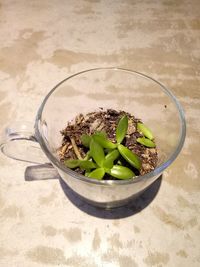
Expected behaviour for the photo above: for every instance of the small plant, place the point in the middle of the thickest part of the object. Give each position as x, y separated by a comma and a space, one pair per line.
105, 157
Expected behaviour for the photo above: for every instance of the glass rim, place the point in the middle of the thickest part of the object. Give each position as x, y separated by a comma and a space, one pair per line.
157, 171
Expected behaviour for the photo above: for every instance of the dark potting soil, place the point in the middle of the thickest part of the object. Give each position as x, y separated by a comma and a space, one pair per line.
105, 120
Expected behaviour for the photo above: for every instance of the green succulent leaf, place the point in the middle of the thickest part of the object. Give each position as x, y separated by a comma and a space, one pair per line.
85, 139
121, 172
110, 158
146, 142
72, 163
104, 142
97, 174
121, 129
145, 130
108, 150
101, 133
129, 156
97, 152
87, 164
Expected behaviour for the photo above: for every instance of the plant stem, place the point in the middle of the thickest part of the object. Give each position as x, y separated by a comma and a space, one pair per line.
76, 151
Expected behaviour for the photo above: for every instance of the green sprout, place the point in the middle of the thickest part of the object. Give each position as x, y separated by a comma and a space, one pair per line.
105, 157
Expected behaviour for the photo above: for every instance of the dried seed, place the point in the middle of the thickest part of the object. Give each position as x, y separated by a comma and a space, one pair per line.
63, 150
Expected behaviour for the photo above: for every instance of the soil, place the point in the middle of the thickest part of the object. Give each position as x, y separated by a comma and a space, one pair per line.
105, 120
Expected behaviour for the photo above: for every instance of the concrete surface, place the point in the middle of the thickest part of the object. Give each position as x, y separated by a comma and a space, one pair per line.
41, 42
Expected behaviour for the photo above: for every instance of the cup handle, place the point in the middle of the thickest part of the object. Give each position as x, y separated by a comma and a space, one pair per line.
18, 142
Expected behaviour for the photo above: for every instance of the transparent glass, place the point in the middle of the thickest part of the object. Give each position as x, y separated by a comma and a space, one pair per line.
119, 89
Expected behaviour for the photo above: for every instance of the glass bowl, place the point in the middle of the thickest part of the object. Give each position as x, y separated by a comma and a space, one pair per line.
118, 89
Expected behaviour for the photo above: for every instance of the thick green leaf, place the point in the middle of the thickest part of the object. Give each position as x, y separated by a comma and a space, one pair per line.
146, 142
113, 155
85, 139
104, 142
121, 172
108, 150
121, 129
97, 174
145, 130
101, 133
110, 158
130, 157
97, 152
87, 164
72, 163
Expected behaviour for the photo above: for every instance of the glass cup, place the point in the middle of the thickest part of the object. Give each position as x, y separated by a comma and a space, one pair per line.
87, 91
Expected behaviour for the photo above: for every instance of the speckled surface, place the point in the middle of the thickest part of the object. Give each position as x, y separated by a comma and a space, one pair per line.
41, 42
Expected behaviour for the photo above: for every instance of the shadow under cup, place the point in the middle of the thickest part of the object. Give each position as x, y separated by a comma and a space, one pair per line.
117, 89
